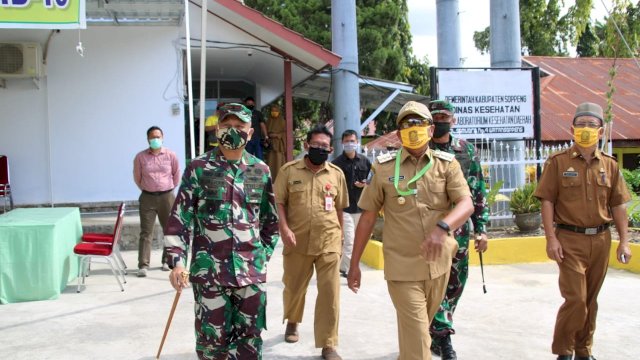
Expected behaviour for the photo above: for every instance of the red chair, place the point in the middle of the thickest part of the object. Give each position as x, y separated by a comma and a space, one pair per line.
5, 184
106, 251
108, 238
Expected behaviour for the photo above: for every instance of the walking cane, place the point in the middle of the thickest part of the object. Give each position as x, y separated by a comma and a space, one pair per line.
184, 275
484, 287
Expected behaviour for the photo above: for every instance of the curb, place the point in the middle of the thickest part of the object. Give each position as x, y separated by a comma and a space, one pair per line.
503, 251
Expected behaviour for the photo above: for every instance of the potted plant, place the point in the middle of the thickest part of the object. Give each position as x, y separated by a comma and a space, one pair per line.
526, 208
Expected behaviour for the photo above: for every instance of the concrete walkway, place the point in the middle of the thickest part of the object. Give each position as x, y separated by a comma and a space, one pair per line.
514, 320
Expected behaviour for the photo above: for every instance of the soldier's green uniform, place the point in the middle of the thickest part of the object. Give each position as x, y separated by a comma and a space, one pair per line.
225, 210
465, 153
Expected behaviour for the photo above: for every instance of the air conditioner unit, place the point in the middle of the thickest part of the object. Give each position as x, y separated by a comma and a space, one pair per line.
20, 60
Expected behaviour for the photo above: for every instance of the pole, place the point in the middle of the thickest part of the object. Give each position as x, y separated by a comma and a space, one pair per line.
203, 75
448, 24
192, 139
346, 95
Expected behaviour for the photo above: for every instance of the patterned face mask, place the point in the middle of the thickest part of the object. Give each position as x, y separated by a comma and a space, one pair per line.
231, 138
415, 137
585, 137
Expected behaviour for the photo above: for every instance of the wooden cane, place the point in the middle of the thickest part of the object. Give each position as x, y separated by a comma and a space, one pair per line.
184, 275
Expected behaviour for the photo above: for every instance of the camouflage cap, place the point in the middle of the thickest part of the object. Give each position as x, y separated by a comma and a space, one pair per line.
589, 109
441, 107
242, 112
414, 108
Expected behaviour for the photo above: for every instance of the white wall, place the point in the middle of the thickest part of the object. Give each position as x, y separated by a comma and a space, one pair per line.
94, 112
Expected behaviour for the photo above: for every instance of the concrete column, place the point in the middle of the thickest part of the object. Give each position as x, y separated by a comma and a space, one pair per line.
448, 24
346, 90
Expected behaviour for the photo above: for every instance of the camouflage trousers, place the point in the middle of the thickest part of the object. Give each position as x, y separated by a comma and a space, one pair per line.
229, 320
442, 323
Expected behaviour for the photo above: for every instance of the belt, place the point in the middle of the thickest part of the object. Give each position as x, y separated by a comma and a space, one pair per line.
586, 231
156, 192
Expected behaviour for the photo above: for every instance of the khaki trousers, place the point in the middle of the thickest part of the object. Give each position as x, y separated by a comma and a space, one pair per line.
582, 272
298, 269
150, 207
416, 304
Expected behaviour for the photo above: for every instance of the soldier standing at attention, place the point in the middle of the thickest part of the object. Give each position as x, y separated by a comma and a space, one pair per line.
442, 324
582, 192
311, 193
417, 188
225, 210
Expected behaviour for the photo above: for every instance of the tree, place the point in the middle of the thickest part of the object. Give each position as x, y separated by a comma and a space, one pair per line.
587, 44
384, 42
543, 29
625, 17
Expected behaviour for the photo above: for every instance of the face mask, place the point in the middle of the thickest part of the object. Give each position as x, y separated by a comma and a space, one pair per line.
250, 107
585, 137
231, 138
350, 147
317, 156
155, 143
441, 129
415, 137
275, 114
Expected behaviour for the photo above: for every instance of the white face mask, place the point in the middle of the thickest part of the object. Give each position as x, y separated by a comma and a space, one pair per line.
350, 147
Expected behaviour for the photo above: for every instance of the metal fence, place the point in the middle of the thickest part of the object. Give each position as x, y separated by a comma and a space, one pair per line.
509, 163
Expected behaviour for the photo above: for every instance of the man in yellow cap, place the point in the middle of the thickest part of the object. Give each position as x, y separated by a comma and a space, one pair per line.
417, 188
582, 192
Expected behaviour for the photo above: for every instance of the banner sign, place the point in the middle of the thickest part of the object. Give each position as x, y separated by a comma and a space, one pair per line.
495, 104
43, 14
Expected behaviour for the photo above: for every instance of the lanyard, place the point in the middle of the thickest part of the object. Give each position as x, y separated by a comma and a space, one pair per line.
420, 173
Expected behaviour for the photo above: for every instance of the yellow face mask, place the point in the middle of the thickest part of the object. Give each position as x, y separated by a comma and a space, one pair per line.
585, 137
415, 137
275, 114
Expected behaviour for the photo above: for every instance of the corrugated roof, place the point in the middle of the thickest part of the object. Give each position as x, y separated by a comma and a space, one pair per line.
567, 82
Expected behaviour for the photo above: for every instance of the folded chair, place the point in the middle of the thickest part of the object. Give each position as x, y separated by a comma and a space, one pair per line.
5, 185
108, 238
107, 251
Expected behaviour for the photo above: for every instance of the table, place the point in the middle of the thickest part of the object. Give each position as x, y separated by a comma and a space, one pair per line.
36, 252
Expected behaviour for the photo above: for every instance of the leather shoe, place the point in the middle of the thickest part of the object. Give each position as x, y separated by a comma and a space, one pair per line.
564, 357
291, 333
590, 357
329, 353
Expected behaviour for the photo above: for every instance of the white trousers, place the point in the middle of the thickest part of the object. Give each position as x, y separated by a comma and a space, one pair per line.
350, 222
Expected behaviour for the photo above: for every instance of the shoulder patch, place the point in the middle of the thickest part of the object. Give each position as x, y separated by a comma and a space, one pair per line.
444, 155
609, 156
383, 158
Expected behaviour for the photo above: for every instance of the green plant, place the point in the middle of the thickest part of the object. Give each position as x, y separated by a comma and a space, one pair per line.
633, 210
522, 200
632, 178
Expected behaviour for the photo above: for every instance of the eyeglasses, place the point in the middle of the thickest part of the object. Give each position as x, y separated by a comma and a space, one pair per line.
584, 125
407, 123
320, 146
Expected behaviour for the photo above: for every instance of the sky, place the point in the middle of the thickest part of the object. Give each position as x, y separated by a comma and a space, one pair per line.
474, 16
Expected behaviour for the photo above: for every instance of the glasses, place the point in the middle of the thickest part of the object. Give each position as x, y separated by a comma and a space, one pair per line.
320, 146
586, 125
407, 123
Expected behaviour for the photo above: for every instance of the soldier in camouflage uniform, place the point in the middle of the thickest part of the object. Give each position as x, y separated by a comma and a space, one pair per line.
225, 210
442, 324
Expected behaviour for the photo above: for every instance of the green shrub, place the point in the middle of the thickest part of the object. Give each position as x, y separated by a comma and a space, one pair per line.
522, 200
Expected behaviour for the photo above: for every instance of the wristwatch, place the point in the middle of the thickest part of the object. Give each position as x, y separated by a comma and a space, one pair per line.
444, 226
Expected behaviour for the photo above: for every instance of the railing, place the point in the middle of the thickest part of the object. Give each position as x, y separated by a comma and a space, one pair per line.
513, 163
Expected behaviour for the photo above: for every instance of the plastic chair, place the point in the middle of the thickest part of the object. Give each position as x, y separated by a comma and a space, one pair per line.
106, 251
5, 184
108, 238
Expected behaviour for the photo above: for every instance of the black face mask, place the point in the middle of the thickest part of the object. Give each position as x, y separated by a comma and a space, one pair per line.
251, 107
317, 156
441, 129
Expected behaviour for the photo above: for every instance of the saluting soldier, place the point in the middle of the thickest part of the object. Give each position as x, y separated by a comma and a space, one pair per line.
442, 324
225, 210
311, 194
582, 192
417, 188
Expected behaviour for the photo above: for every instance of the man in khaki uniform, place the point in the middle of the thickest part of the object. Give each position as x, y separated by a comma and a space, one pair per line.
417, 188
311, 194
582, 191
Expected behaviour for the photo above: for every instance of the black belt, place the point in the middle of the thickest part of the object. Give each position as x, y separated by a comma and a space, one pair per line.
587, 231
156, 192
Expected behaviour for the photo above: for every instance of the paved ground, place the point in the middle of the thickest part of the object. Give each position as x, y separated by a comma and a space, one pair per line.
514, 320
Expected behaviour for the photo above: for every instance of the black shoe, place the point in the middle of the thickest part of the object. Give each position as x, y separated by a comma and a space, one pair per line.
343, 274
435, 346
564, 357
590, 357
446, 350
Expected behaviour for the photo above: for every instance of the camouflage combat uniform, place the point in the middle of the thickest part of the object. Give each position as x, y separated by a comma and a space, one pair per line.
465, 153
228, 209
